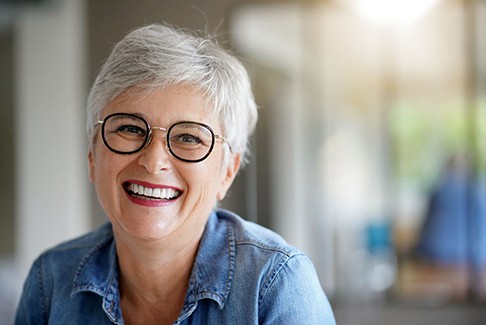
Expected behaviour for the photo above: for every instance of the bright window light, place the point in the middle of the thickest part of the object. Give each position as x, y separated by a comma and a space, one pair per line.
392, 11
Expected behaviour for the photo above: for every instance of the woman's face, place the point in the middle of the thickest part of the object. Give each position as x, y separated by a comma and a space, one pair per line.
191, 189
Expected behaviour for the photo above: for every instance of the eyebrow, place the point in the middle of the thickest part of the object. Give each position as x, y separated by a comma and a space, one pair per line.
142, 116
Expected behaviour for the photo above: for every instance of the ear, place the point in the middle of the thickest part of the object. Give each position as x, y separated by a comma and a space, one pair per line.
228, 175
91, 166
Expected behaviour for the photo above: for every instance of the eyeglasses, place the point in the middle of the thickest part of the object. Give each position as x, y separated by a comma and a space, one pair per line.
188, 141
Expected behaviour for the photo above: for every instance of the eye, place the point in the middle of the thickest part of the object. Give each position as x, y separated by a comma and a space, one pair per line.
186, 139
131, 130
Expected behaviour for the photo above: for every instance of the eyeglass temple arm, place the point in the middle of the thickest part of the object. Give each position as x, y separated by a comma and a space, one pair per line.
220, 137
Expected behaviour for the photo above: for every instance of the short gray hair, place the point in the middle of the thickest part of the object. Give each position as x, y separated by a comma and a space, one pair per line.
157, 56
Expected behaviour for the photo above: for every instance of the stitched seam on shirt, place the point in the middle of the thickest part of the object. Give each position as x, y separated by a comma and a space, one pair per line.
283, 251
82, 265
232, 256
267, 284
113, 315
231, 250
42, 294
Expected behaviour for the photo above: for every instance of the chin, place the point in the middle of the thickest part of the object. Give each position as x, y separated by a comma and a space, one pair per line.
149, 230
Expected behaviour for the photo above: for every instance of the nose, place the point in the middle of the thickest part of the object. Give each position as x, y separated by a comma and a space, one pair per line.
155, 157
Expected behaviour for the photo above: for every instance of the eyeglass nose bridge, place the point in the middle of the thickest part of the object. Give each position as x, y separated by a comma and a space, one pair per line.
150, 135
158, 128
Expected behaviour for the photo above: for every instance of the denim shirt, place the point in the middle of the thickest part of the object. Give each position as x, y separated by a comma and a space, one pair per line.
243, 274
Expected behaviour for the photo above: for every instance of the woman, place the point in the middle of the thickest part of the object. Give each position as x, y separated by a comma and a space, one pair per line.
169, 117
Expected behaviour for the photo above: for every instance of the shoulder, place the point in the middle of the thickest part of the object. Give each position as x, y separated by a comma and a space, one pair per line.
83, 244
63, 260
268, 253
270, 270
52, 274
247, 233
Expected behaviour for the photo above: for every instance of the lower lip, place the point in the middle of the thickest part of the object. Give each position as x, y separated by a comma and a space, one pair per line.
149, 203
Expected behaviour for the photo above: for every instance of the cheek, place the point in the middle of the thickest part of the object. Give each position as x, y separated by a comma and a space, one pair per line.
203, 180
103, 171
102, 182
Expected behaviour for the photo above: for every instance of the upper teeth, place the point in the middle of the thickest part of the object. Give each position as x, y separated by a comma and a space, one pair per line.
161, 193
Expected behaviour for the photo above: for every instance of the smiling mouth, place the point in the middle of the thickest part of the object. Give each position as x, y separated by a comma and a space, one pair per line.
147, 193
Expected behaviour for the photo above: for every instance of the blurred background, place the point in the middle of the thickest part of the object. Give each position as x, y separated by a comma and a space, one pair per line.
370, 152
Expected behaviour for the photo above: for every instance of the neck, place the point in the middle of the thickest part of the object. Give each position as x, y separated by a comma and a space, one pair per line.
156, 268
151, 266
154, 276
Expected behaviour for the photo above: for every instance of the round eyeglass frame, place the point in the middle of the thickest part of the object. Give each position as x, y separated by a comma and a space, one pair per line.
149, 137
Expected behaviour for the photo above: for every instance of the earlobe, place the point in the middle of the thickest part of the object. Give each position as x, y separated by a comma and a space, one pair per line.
231, 171
91, 166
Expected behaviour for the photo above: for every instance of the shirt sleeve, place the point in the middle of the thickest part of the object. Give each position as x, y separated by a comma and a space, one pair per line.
32, 307
293, 295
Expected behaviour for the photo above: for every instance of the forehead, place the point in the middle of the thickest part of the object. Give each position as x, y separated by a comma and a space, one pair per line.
163, 106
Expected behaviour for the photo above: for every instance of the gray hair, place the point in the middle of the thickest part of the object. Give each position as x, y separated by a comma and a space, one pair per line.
157, 56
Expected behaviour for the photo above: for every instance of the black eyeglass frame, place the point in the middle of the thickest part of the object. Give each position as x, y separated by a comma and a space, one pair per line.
148, 136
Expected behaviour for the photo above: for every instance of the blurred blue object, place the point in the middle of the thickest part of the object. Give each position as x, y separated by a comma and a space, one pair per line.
454, 231
378, 237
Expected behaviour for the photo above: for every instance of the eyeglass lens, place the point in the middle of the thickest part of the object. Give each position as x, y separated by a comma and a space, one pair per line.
187, 141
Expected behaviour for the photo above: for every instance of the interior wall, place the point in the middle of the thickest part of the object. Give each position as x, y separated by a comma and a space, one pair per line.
51, 179
7, 149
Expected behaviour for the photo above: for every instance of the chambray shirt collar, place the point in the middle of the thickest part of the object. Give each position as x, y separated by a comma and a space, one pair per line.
211, 276
98, 273
213, 271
